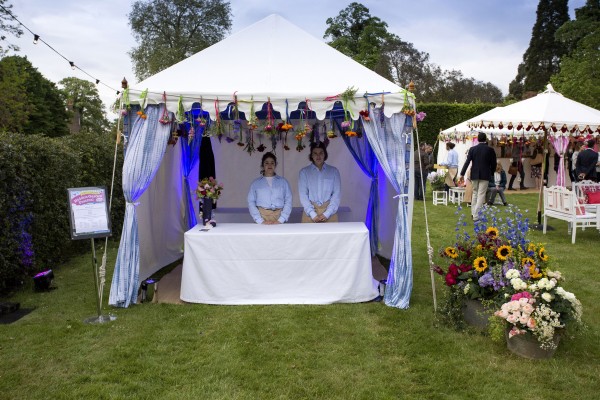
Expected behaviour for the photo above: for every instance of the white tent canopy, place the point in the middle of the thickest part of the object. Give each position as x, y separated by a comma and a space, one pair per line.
269, 60
549, 109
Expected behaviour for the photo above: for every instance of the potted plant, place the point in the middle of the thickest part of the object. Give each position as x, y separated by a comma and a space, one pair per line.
537, 309
475, 263
436, 179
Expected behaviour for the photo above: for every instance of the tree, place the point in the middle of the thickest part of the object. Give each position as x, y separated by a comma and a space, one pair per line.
168, 31
366, 39
542, 58
579, 76
361, 37
8, 25
82, 96
39, 98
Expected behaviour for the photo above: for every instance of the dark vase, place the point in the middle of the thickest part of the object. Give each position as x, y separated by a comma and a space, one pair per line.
207, 207
528, 346
476, 314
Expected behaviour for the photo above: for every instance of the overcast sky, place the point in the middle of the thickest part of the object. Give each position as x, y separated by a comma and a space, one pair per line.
485, 39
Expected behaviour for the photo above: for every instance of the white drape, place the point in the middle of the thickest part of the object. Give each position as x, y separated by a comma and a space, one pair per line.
145, 150
560, 143
390, 139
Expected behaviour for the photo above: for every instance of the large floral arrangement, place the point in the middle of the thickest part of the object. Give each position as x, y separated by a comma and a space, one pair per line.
513, 275
436, 179
476, 263
209, 187
538, 305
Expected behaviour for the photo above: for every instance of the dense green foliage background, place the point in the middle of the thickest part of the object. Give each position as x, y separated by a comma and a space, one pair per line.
35, 172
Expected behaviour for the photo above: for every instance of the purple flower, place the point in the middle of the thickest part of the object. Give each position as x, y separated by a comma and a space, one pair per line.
421, 116
486, 280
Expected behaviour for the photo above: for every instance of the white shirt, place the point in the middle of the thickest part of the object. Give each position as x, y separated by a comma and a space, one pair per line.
277, 195
319, 186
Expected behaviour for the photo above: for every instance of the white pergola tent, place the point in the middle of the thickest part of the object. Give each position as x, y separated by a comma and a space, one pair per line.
270, 62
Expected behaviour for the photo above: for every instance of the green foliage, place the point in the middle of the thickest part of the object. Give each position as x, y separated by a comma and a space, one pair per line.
85, 101
8, 25
578, 78
366, 39
43, 108
168, 31
444, 115
542, 57
35, 172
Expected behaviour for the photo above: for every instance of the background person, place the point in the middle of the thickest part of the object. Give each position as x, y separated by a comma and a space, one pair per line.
497, 184
517, 161
452, 164
423, 164
537, 158
587, 159
483, 160
319, 187
270, 196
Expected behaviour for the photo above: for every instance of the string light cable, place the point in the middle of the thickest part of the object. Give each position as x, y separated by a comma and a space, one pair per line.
37, 38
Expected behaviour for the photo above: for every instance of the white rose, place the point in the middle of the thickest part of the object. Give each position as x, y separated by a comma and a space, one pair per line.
528, 308
518, 284
466, 289
547, 297
533, 288
512, 274
544, 283
512, 318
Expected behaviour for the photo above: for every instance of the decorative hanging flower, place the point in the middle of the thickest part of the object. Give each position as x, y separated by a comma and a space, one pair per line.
331, 134
351, 133
365, 115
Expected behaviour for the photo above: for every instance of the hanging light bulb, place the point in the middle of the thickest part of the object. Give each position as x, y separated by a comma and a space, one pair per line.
72, 64
36, 38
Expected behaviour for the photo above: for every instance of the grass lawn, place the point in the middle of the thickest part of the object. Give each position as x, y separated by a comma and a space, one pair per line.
340, 351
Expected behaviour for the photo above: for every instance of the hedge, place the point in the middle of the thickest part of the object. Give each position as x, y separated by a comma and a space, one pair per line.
444, 115
35, 172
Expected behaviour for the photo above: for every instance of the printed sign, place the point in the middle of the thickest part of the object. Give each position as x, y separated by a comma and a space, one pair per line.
88, 213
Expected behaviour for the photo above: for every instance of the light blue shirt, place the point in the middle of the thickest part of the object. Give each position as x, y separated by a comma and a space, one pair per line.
451, 159
319, 186
279, 195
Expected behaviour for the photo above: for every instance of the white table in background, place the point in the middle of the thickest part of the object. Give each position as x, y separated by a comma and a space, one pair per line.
278, 264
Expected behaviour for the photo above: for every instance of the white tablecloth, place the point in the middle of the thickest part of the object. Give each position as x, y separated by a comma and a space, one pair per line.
278, 264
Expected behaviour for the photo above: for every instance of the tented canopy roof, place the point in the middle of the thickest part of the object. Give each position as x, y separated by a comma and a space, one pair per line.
549, 109
269, 60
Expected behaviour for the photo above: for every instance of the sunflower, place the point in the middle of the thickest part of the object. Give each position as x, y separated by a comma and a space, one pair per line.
503, 252
531, 247
534, 273
451, 252
528, 260
480, 264
542, 254
492, 232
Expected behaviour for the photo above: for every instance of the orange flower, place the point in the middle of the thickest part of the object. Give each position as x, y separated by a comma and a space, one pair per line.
351, 133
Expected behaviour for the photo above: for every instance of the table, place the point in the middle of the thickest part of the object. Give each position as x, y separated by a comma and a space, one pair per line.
278, 264
457, 194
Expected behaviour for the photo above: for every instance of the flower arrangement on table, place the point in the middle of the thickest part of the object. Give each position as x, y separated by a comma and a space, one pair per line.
209, 187
436, 180
208, 191
512, 275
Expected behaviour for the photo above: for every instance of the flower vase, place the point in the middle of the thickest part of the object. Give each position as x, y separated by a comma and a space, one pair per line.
527, 346
476, 314
207, 207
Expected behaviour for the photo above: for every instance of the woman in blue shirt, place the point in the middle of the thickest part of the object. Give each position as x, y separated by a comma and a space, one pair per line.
319, 187
270, 196
452, 164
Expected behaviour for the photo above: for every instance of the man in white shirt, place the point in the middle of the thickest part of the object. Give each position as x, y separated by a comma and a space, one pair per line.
319, 186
